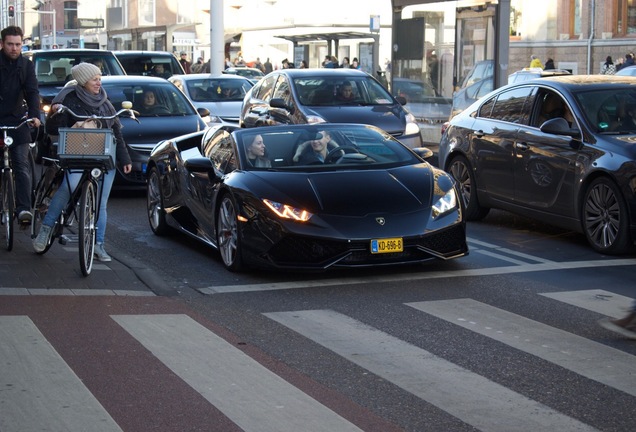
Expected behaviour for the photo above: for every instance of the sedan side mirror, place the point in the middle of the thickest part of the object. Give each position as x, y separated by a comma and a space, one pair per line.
280, 103
203, 112
559, 126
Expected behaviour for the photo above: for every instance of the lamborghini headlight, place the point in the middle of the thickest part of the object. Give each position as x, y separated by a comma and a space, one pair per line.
445, 204
288, 212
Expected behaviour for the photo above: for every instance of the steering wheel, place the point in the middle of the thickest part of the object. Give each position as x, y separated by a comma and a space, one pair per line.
160, 109
339, 149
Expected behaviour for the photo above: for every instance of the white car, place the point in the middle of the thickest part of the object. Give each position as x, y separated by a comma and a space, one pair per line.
221, 94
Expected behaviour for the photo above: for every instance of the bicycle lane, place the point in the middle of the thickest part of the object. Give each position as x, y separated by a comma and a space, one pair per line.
117, 363
73, 358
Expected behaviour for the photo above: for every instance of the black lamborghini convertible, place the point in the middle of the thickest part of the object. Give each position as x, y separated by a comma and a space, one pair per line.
307, 197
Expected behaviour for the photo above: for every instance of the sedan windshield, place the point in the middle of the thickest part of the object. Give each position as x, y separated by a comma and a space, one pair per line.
150, 100
611, 110
318, 147
217, 90
329, 91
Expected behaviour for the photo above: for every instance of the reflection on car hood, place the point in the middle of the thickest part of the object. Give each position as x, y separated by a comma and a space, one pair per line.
222, 109
351, 193
151, 130
390, 118
439, 109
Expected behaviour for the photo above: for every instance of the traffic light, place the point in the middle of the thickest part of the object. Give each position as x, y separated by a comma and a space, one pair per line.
11, 11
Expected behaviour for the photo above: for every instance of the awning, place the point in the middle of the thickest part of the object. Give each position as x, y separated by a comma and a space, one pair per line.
314, 37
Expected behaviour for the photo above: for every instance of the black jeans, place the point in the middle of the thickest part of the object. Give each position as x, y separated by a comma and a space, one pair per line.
22, 172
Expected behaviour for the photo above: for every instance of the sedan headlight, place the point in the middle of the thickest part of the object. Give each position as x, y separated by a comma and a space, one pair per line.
313, 119
285, 211
445, 204
412, 127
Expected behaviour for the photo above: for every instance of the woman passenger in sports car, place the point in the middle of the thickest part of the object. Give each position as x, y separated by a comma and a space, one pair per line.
255, 151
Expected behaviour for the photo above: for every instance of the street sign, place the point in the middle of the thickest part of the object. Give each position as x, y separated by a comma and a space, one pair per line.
90, 22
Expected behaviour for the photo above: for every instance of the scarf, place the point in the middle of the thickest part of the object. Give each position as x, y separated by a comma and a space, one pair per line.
91, 101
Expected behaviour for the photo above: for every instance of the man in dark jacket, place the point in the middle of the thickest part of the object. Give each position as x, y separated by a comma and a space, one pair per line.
18, 87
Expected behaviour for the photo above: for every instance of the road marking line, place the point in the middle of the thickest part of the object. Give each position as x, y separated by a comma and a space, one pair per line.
470, 397
508, 251
527, 268
38, 389
596, 300
585, 357
249, 394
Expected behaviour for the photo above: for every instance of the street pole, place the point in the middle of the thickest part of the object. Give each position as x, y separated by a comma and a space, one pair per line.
217, 36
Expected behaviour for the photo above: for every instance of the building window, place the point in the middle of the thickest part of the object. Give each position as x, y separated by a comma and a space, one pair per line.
625, 17
70, 15
122, 7
575, 18
146, 12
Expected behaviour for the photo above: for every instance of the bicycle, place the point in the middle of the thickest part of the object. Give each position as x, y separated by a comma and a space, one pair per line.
8, 183
90, 152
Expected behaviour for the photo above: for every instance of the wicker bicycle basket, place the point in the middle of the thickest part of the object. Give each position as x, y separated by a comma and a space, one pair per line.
86, 148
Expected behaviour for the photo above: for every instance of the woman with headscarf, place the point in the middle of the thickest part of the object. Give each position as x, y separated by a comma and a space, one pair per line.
84, 97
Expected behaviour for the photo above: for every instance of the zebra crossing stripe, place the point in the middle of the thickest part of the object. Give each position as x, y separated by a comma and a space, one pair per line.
38, 391
596, 300
249, 394
590, 359
451, 388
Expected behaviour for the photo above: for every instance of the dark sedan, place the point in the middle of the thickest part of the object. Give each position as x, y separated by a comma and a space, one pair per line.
264, 198
559, 149
172, 114
299, 96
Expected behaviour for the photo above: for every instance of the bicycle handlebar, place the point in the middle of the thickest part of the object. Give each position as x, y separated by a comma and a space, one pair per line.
62, 108
26, 121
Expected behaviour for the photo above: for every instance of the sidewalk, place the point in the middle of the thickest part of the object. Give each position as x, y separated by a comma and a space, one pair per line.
57, 272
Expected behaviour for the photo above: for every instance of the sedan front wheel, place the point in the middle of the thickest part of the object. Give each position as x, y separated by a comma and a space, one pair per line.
605, 218
461, 171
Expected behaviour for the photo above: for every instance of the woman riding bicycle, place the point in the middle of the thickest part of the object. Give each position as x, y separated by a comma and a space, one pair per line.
87, 97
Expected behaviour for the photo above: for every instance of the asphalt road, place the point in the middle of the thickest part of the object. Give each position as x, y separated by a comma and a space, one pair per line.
505, 339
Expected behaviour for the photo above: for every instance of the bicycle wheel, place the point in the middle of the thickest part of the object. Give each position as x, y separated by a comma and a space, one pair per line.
8, 207
86, 225
44, 192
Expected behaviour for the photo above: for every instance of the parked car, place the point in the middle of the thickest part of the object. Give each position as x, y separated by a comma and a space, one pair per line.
252, 74
172, 115
222, 95
466, 96
527, 74
430, 110
53, 71
299, 96
151, 63
463, 98
481, 70
627, 71
559, 149
291, 215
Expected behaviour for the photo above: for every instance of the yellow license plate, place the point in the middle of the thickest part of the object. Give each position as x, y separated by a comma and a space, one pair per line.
387, 245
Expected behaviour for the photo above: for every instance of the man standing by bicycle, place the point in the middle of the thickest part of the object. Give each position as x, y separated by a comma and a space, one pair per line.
18, 87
